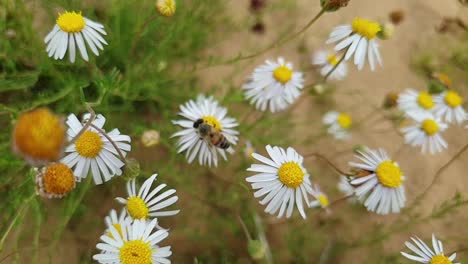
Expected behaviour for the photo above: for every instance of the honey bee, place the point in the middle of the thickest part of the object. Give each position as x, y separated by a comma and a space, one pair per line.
209, 133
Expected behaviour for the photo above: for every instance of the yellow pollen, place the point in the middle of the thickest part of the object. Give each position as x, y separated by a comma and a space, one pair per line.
39, 134
89, 144
58, 179
212, 121
291, 174
366, 28
332, 59
453, 99
137, 208
425, 100
118, 227
135, 252
389, 174
323, 200
430, 127
166, 7
71, 22
282, 74
344, 120
440, 259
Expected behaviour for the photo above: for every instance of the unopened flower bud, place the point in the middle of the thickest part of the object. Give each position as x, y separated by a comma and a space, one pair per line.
256, 249
387, 31
435, 87
442, 78
166, 7
333, 5
397, 16
391, 100
131, 169
319, 89
150, 138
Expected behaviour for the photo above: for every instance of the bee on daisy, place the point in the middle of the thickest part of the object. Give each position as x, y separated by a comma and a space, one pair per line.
358, 39
207, 131
422, 253
274, 85
338, 124
93, 151
415, 104
282, 180
327, 61
379, 182
55, 180
70, 33
321, 199
145, 202
136, 242
426, 133
449, 107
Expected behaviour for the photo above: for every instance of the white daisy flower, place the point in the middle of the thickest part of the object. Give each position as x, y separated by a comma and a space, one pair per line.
424, 254
137, 244
321, 199
143, 204
207, 110
426, 133
381, 186
414, 103
338, 124
93, 151
274, 85
346, 188
71, 31
327, 61
118, 222
449, 107
282, 179
358, 39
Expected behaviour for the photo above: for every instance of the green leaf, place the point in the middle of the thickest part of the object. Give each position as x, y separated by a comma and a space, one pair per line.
18, 81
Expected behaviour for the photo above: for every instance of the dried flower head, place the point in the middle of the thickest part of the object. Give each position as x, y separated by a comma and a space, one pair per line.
39, 136
397, 16
55, 181
150, 138
333, 5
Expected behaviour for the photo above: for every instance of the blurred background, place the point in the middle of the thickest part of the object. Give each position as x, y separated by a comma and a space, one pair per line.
153, 64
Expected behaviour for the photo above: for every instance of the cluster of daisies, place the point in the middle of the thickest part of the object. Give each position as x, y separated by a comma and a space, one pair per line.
431, 112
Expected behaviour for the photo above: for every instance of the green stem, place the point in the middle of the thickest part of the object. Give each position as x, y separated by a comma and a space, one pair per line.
325, 78
329, 163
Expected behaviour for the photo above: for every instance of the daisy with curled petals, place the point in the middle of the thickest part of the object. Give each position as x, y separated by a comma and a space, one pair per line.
143, 204
207, 110
321, 199
138, 243
358, 39
415, 104
379, 182
424, 254
70, 33
118, 222
449, 107
426, 133
282, 179
346, 188
338, 124
93, 151
327, 61
274, 85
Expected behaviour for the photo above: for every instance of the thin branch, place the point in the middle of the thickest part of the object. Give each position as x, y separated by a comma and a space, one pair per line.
102, 132
328, 162
325, 78
244, 227
339, 200
86, 126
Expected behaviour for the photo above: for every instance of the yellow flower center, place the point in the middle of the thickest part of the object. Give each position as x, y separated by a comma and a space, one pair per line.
323, 200
282, 74
440, 259
119, 230
137, 208
40, 134
344, 120
135, 252
425, 100
332, 59
166, 7
58, 179
71, 22
212, 121
453, 99
389, 174
430, 127
89, 144
291, 174
366, 28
